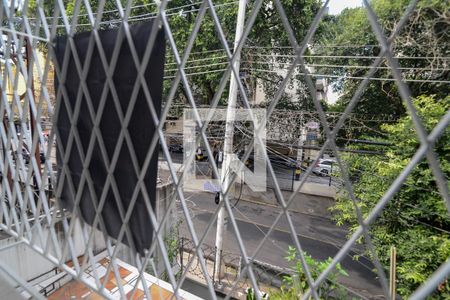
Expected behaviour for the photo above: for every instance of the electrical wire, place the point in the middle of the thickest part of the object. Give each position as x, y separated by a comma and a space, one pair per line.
311, 65
349, 56
202, 66
196, 73
325, 56
349, 66
149, 16
307, 114
313, 46
307, 65
319, 75
131, 9
207, 51
352, 77
316, 65
95, 13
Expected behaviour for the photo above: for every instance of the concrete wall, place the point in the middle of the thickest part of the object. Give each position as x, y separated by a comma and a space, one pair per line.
28, 264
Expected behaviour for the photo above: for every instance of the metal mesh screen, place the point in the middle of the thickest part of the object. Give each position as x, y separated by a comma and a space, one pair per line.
182, 246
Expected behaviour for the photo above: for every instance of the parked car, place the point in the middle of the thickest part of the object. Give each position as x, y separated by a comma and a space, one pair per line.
324, 167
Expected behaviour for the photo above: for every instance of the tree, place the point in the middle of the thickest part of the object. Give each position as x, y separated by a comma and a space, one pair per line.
207, 60
420, 46
416, 219
263, 51
270, 52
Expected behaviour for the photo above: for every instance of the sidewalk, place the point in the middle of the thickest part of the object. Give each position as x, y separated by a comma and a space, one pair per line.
313, 198
317, 189
302, 203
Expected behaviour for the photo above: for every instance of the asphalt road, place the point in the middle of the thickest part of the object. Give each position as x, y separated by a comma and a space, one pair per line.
317, 235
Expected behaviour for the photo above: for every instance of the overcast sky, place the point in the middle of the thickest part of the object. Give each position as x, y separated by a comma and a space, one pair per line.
336, 6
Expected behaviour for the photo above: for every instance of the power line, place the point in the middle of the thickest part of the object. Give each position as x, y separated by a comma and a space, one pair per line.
197, 73
312, 46
352, 66
131, 8
354, 77
317, 46
95, 13
309, 114
307, 65
326, 56
148, 16
208, 51
318, 75
195, 67
318, 65
333, 56
350, 56
199, 59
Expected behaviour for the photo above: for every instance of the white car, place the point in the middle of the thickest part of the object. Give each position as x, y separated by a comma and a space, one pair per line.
324, 167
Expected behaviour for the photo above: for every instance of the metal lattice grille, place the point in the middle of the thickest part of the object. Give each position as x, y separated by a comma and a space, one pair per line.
31, 215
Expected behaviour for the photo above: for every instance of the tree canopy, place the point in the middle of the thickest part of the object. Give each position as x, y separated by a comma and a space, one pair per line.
263, 52
416, 219
421, 47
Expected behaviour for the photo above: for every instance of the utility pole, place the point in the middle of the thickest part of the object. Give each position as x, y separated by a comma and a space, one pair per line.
228, 143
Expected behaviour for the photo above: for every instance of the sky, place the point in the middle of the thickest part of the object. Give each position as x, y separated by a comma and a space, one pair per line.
336, 6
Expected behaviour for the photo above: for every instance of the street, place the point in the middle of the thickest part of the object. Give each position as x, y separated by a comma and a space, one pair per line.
318, 236
283, 173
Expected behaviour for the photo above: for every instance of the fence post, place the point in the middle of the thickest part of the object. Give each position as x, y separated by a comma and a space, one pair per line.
392, 277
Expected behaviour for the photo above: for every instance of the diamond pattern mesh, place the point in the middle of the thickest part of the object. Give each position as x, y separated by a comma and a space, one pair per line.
30, 212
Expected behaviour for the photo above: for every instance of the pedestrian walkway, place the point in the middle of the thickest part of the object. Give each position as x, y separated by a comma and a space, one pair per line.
311, 188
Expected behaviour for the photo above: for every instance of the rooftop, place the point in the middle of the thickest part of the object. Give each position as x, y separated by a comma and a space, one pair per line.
129, 281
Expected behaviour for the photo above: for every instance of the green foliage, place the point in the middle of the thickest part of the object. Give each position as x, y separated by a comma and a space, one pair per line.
208, 58
424, 35
252, 296
172, 247
295, 285
273, 50
256, 65
171, 241
416, 219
